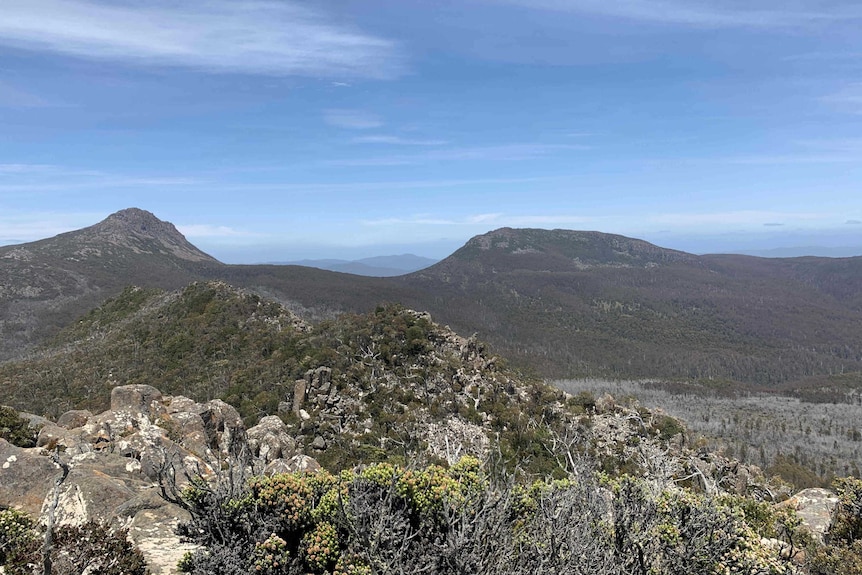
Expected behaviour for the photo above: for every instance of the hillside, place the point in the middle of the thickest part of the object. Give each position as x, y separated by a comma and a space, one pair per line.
587, 303
44, 285
561, 303
361, 387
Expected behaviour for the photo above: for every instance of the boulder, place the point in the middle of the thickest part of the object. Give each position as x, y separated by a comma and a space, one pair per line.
223, 425
293, 465
26, 475
814, 507
269, 440
35, 421
129, 403
319, 443
179, 403
108, 487
74, 418
188, 430
51, 436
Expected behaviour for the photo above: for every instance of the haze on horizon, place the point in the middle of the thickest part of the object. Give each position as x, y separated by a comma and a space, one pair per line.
280, 131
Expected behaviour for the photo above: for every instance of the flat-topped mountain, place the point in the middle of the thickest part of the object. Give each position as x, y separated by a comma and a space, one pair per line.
563, 303
560, 250
587, 303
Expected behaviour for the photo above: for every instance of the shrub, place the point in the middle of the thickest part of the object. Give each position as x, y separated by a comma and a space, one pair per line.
94, 548
15, 429
386, 519
19, 542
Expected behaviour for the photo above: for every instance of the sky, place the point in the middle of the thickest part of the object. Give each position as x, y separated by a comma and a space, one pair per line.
272, 130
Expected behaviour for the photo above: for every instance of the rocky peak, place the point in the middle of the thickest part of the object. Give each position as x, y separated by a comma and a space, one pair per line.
142, 231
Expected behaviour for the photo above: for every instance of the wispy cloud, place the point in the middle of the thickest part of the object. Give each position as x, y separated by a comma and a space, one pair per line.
13, 97
824, 57
18, 226
396, 141
351, 119
504, 152
837, 157
853, 222
847, 99
44, 178
19, 169
485, 220
706, 14
247, 36
850, 145
734, 218
213, 231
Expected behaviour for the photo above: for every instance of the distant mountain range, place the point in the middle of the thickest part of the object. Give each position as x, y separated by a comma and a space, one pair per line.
561, 303
378, 266
801, 251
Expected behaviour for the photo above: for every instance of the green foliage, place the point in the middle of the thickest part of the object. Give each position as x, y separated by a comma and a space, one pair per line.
788, 468
88, 548
95, 548
668, 426
842, 554
385, 518
836, 559
15, 429
847, 518
19, 542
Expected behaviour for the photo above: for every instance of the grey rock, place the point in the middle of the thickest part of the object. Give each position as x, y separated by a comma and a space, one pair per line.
26, 475
269, 439
135, 401
293, 465
35, 421
299, 389
224, 426
188, 430
319, 443
814, 507
74, 418
179, 404
52, 435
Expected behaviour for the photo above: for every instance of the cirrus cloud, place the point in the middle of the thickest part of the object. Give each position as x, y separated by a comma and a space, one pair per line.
256, 37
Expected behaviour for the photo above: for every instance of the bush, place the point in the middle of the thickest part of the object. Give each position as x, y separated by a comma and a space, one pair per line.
94, 548
386, 519
19, 542
842, 554
90, 548
15, 429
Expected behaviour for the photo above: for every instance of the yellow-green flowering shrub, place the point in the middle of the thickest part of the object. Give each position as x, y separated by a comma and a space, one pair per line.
19, 541
383, 518
322, 548
271, 556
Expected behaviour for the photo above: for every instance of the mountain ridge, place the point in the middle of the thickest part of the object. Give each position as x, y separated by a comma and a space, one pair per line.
562, 303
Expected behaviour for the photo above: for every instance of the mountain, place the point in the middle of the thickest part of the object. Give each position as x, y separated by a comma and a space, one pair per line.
48, 283
561, 303
587, 303
378, 266
801, 251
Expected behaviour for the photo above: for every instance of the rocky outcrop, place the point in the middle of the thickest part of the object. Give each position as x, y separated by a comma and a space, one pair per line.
269, 440
814, 507
116, 460
26, 475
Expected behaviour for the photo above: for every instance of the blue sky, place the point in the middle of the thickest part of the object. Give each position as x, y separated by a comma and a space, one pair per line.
277, 130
